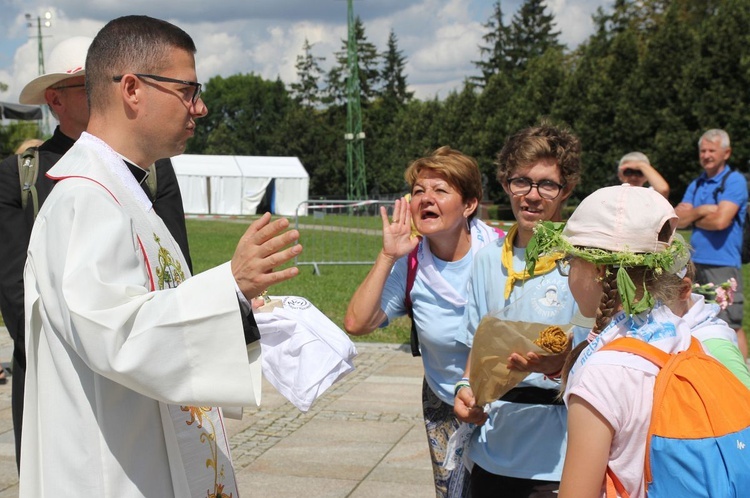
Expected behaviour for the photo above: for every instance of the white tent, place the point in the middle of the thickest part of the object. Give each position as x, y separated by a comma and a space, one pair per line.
238, 184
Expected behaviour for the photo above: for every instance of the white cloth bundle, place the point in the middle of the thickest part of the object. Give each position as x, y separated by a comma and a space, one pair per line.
304, 352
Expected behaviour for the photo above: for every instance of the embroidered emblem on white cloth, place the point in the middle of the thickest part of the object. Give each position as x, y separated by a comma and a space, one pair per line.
296, 303
168, 270
207, 436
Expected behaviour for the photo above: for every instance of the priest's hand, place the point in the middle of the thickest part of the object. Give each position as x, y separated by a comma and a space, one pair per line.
263, 248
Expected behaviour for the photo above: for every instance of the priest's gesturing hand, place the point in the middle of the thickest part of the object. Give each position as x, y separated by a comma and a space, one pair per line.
261, 249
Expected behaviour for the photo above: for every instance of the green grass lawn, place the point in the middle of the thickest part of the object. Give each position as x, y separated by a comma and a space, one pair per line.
212, 243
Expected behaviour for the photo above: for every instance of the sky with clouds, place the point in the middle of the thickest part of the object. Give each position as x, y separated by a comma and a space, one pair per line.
439, 38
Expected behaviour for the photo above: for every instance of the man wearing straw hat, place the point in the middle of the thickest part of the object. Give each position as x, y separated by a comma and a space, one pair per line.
63, 90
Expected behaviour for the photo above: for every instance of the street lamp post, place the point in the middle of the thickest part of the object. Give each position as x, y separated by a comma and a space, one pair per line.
41, 21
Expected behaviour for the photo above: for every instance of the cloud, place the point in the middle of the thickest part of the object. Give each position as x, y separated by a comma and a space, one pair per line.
198, 11
574, 17
439, 38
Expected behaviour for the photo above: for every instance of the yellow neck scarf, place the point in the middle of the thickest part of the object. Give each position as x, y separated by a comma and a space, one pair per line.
545, 264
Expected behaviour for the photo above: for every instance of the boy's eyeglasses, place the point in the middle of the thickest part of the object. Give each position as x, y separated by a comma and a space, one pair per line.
522, 186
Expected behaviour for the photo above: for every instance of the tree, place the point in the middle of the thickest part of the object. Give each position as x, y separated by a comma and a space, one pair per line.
306, 90
722, 75
531, 33
663, 98
494, 56
367, 63
456, 120
491, 118
245, 113
411, 133
591, 97
394, 92
12, 135
381, 147
334, 94
311, 138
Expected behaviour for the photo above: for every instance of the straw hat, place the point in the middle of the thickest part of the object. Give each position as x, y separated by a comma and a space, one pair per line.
67, 59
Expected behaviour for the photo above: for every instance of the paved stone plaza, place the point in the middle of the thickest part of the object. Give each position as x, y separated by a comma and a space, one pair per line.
363, 438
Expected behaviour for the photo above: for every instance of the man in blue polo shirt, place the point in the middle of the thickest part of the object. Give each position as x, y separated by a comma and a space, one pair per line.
714, 205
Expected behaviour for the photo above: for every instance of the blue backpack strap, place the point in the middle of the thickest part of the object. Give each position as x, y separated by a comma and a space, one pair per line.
411, 275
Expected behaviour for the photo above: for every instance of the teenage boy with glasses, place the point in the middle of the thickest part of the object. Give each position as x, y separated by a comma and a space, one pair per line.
519, 448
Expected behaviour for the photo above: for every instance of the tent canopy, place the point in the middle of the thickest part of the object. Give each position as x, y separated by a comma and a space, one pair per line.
212, 184
20, 111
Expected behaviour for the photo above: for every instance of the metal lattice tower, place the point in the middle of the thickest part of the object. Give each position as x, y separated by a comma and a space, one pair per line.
355, 137
40, 51
41, 23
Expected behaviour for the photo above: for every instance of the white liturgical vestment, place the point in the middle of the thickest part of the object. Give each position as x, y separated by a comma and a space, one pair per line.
126, 354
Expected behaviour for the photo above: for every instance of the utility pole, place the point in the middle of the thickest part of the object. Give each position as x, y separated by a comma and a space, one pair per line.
40, 53
355, 146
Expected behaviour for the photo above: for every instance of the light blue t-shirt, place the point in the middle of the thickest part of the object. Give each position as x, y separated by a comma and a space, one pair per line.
437, 321
519, 440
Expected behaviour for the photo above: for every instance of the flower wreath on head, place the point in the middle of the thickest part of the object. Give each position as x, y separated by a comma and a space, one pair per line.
548, 238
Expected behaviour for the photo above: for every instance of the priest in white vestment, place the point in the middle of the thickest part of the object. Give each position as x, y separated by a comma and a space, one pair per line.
127, 353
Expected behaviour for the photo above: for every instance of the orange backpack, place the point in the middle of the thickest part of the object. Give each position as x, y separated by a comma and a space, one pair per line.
698, 442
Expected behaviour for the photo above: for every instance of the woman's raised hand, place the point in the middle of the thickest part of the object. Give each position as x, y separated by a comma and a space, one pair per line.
397, 233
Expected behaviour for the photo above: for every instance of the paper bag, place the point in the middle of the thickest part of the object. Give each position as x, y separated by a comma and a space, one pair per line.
494, 341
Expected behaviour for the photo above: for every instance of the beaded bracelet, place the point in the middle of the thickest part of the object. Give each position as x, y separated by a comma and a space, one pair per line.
460, 385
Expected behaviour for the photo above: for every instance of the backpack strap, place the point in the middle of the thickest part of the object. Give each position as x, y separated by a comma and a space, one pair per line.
411, 275
28, 168
151, 180
722, 185
718, 190
647, 351
614, 487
